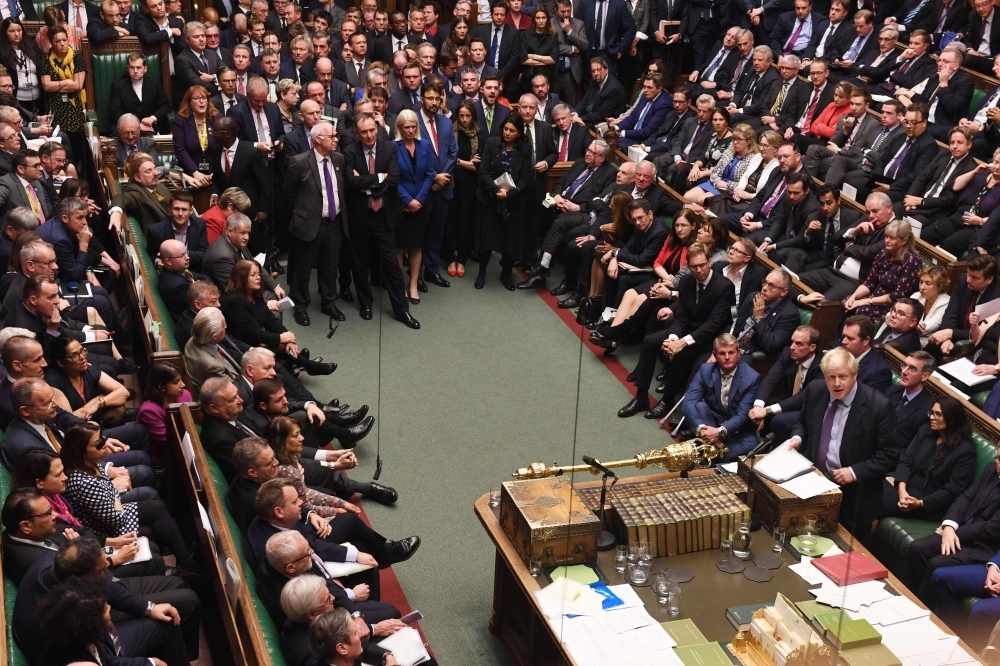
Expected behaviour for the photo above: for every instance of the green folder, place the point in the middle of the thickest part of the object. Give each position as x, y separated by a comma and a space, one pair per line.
580, 573
870, 655
703, 654
685, 632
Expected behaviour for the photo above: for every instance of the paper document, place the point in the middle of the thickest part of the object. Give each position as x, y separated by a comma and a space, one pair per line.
915, 225
285, 304
144, 554
636, 154
206, 522
580, 573
564, 596
505, 182
961, 370
629, 268
406, 646
809, 485
730, 467
850, 191
989, 308
851, 268
260, 258
342, 569
808, 572
782, 464
893, 611
629, 647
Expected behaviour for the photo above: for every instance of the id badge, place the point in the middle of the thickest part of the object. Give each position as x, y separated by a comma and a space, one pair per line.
203, 166
65, 99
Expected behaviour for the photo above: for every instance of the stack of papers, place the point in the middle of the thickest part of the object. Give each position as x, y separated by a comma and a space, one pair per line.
851, 597
945, 652
893, 611
782, 464
962, 371
613, 639
567, 597
808, 572
809, 485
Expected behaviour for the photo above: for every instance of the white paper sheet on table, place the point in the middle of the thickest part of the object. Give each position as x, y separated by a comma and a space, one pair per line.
630, 647
808, 572
809, 485
893, 611
851, 597
564, 596
607, 623
961, 370
834, 550
921, 632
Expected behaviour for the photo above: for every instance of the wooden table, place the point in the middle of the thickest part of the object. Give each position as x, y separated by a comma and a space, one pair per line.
530, 641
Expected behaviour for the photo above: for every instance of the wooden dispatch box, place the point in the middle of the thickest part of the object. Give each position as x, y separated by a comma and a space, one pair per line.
545, 518
777, 506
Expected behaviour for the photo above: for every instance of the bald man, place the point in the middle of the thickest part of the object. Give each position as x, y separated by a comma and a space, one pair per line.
175, 276
337, 92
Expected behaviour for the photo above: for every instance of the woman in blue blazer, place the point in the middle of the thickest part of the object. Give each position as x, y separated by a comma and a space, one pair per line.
416, 176
193, 134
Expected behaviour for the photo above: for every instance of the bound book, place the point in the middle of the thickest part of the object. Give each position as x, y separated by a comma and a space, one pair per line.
846, 633
871, 655
703, 654
742, 616
850, 568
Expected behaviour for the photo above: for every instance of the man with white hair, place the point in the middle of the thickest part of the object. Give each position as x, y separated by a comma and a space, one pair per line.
846, 429
128, 140
196, 65
538, 137
230, 247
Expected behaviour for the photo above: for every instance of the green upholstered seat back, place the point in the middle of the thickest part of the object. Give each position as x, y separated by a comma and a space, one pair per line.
805, 316
152, 279
977, 99
108, 67
40, 6
14, 655
985, 452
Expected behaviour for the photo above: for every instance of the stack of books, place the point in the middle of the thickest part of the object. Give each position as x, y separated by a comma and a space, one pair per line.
731, 483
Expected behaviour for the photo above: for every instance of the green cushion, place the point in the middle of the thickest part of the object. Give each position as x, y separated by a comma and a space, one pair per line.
108, 67
977, 98
979, 399
152, 279
805, 316
14, 655
985, 452
899, 533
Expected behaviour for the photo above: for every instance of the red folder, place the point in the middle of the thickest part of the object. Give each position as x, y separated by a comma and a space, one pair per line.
850, 568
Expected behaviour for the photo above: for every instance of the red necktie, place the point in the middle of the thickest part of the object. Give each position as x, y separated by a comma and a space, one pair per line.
972, 307
376, 201
434, 136
810, 111
241, 88
563, 146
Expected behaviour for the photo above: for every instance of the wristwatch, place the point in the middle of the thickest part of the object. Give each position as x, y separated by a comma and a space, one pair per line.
357, 614
614, 254
149, 608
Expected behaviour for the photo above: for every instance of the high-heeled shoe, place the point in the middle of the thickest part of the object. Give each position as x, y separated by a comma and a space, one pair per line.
452, 272
480, 280
460, 271
357, 433
415, 301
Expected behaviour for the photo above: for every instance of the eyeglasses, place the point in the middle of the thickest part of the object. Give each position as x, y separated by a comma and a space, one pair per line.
53, 262
42, 515
739, 251
934, 415
900, 313
77, 355
771, 285
309, 553
199, 98
697, 267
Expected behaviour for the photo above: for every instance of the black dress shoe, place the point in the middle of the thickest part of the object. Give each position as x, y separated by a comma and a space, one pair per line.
421, 285
562, 288
663, 375
573, 301
611, 348
507, 282
381, 494
415, 301
366, 312
302, 317
346, 296
335, 403
127, 367
539, 271
532, 282
596, 338
399, 551
480, 281
315, 367
334, 312
347, 419
660, 388
435, 278
357, 433
658, 411
407, 318
631, 409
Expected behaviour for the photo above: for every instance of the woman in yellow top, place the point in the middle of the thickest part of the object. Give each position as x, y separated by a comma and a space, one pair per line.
63, 79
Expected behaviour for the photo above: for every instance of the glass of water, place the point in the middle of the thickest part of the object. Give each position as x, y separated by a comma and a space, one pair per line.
661, 586
621, 555
809, 534
495, 498
727, 552
674, 601
535, 566
778, 538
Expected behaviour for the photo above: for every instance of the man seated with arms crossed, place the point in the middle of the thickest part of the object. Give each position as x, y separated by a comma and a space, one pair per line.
797, 366
306, 598
765, 322
846, 429
336, 641
719, 398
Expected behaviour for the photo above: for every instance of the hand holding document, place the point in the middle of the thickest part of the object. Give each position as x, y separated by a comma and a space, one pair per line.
961, 370
406, 646
505, 182
988, 309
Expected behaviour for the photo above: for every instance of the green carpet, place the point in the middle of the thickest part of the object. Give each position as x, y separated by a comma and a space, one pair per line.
488, 384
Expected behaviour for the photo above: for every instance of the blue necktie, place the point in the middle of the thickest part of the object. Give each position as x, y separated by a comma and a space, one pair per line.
332, 208
642, 116
494, 46
912, 15
13, 8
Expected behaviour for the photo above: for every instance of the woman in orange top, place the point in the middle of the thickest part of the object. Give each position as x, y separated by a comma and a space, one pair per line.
825, 124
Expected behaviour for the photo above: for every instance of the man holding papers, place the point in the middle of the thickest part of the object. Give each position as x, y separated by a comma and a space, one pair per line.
980, 286
846, 429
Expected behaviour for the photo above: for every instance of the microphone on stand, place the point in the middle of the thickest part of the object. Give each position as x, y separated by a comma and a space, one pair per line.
598, 466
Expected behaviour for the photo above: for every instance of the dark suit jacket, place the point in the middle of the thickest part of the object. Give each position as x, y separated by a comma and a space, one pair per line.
259, 532
975, 23
216, 101
910, 417
961, 298
644, 246
219, 438
602, 177
906, 343
386, 161
651, 123
12, 195
754, 89
599, 104
20, 437
144, 206
726, 78
789, 224
447, 153
684, 136
796, 102
187, 145
173, 288
785, 27
143, 144
977, 513
921, 153
672, 123
73, 263
510, 40
703, 319
248, 172
923, 183
867, 447
779, 382
874, 74
99, 32
619, 26
937, 484
873, 371
774, 331
244, 117
956, 20
239, 500
838, 41
500, 115
952, 101
303, 193
149, 33
306, 73
920, 68
123, 100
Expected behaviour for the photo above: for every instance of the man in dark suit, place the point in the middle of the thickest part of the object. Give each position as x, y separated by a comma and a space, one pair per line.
914, 64
182, 225
586, 179
213, 41
691, 139
864, 43
948, 95
902, 159
673, 121
489, 114
647, 115
700, 314
129, 140
10, 143
230, 247
539, 140
910, 399
797, 210
221, 428
756, 85
107, 27
900, 327
982, 47
175, 276
573, 44
818, 240
875, 66
765, 322
706, 76
501, 42
241, 163
794, 370
719, 398
196, 65
315, 183
767, 204
945, 17
408, 97
699, 25
855, 133
858, 337
799, 31
969, 534
610, 29
374, 211
153, 27
979, 286
605, 98
25, 164
142, 97
639, 251
835, 38
301, 68
227, 97
862, 451
931, 195
438, 129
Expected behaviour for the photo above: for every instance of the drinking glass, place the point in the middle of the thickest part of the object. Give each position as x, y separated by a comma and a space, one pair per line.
741, 542
809, 534
661, 585
621, 554
778, 539
674, 602
644, 552
727, 552
495, 498
639, 574
535, 566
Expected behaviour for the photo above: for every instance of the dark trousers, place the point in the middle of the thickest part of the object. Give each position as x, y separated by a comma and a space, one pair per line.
303, 254
329, 480
833, 285
578, 261
950, 233
564, 86
437, 219
565, 228
174, 591
979, 64
156, 523
798, 260
345, 264
650, 351
152, 567
151, 638
392, 277
952, 584
924, 557
615, 288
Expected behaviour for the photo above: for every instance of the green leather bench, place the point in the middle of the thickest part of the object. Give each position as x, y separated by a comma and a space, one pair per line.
272, 634
152, 279
107, 67
40, 6
14, 655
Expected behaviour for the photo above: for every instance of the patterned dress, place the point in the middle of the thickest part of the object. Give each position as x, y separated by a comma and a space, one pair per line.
321, 503
93, 499
897, 278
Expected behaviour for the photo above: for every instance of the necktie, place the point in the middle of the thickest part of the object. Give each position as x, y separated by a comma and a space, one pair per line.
231, 103
810, 111
332, 204
12, 8
824, 437
821, 47
854, 131
494, 46
35, 205
701, 290
935, 191
52, 439
242, 426
563, 146
240, 87
912, 15
575, 186
794, 38
413, 96
727, 382
906, 66
828, 243
713, 66
489, 119
781, 98
972, 307
188, 275
642, 116
400, 44
775, 197
880, 138
227, 165
942, 19
361, 68
739, 71
129, 150
799, 375
434, 135
531, 142
261, 134
979, 34
376, 202
600, 24
204, 61
79, 19
902, 402
694, 140
890, 172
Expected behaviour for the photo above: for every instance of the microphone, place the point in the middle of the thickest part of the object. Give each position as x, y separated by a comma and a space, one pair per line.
764, 443
596, 465
333, 328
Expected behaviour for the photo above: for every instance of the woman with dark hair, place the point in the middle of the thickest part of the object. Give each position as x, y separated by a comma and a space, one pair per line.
74, 621
285, 437
193, 134
501, 213
457, 242
251, 320
90, 392
98, 504
164, 385
721, 141
64, 75
937, 466
538, 49
23, 59
714, 235
44, 470
458, 37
